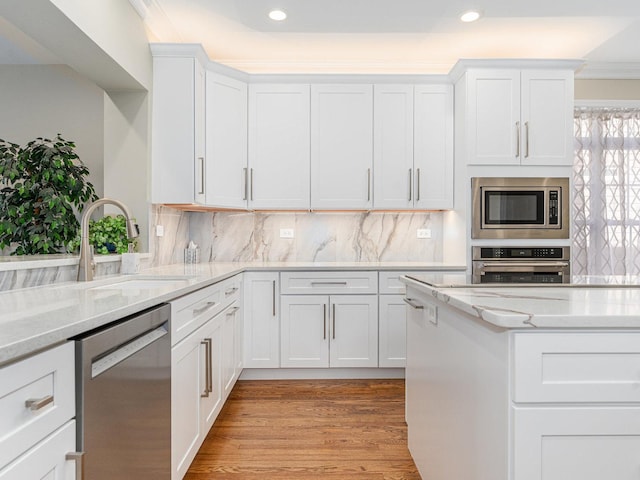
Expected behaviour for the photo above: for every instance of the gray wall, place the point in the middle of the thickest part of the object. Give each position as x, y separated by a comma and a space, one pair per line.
607, 89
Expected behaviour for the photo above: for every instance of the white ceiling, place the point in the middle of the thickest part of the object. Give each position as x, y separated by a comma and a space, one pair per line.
393, 36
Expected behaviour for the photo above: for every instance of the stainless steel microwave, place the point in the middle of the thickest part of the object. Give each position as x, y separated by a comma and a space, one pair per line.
527, 207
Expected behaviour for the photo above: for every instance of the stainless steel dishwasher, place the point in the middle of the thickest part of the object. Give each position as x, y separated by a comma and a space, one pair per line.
124, 398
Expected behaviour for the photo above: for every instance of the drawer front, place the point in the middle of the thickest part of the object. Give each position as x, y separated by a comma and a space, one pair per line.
328, 283
389, 283
231, 290
193, 310
577, 367
37, 396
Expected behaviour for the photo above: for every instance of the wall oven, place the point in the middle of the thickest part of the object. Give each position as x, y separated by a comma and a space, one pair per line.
521, 265
527, 207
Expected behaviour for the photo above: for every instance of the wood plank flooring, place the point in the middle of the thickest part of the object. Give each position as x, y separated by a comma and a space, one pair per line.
329, 429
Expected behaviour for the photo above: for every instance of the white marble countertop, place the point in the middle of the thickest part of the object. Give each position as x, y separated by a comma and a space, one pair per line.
35, 318
566, 306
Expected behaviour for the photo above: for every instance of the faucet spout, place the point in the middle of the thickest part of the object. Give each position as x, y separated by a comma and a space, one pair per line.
86, 265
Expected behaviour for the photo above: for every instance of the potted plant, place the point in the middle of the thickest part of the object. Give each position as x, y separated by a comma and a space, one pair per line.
109, 235
44, 185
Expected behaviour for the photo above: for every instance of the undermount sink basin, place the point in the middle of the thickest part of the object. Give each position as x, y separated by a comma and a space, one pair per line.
146, 283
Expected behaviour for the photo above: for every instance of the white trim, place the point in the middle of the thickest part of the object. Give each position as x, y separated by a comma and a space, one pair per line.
607, 103
319, 373
609, 71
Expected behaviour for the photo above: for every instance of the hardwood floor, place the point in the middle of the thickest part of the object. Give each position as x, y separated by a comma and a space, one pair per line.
329, 429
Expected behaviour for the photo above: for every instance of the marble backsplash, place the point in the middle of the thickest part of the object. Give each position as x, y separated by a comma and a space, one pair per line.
319, 237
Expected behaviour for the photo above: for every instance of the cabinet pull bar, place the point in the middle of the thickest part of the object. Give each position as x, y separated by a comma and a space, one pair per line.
273, 300
328, 283
202, 166
324, 316
333, 307
207, 367
526, 139
410, 182
411, 304
78, 458
35, 404
251, 185
417, 184
368, 184
232, 311
208, 306
517, 139
246, 183
231, 291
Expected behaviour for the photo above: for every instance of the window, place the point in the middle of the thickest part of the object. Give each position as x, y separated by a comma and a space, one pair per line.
606, 203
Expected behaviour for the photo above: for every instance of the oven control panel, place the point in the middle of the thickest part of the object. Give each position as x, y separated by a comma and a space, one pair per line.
527, 253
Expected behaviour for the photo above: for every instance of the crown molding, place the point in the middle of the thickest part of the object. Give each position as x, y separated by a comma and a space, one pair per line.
463, 65
609, 70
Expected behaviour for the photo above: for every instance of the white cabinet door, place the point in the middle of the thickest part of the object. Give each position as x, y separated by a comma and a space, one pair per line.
211, 368
493, 117
393, 331
547, 117
199, 137
341, 146
229, 348
261, 320
586, 443
393, 146
354, 331
279, 142
304, 331
226, 142
433, 147
47, 460
188, 383
177, 104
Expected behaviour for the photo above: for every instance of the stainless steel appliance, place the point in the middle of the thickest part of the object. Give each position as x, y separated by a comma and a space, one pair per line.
124, 399
528, 207
520, 265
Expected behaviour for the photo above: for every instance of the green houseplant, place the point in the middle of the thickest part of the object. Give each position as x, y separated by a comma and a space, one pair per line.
44, 185
109, 235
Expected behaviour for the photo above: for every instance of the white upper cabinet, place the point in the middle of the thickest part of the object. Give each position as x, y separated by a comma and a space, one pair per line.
279, 142
177, 137
393, 147
226, 142
341, 147
413, 147
519, 116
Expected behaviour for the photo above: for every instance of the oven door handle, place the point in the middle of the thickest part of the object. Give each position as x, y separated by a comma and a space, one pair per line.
510, 265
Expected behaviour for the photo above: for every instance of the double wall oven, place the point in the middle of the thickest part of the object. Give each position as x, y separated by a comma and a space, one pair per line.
527, 208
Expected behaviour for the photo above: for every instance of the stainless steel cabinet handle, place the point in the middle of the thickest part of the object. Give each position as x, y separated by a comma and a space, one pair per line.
232, 311
273, 300
251, 184
333, 308
202, 166
208, 306
35, 404
526, 139
78, 458
231, 291
368, 184
328, 283
208, 387
417, 184
517, 139
413, 305
324, 325
410, 183
246, 183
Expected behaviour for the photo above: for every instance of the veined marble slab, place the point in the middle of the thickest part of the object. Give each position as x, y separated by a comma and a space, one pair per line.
583, 306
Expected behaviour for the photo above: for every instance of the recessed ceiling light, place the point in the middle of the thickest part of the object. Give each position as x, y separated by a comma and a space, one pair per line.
277, 15
470, 16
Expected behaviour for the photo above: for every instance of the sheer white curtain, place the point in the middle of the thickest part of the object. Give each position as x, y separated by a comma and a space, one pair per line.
606, 204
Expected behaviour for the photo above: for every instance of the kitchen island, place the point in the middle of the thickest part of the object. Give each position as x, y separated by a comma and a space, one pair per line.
523, 382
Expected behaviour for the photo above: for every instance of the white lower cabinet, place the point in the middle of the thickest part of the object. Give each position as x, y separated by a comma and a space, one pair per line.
261, 320
329, 331
392, 331
586, 443
231, 348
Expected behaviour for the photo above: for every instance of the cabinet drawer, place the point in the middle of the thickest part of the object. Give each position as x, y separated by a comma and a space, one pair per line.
193, 310
577, 367
48, 377
231, 289
390, 283
329, 283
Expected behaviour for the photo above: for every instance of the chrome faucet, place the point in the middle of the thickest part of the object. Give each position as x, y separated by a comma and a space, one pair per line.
87, 266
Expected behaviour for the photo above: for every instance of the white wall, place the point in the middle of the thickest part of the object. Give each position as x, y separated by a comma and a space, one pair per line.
43, 100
